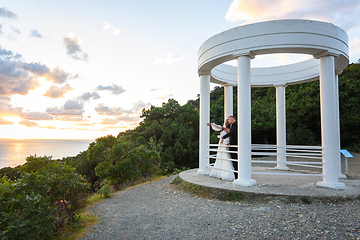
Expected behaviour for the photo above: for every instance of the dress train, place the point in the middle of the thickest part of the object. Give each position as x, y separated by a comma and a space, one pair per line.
221, 163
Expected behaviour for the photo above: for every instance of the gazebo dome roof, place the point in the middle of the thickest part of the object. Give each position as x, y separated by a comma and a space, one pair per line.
281, 36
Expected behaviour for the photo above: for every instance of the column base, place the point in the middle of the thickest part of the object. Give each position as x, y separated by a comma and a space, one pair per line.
282, 168
203, 172
336, 186
245, 183
342, 176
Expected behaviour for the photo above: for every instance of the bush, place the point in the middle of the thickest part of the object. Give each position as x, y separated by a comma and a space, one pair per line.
42, 199
105, 189
24, 214
124, 163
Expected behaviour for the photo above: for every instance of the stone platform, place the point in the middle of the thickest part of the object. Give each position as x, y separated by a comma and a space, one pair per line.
276, 185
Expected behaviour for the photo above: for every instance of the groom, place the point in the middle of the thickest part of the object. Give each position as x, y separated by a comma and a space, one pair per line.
233, 141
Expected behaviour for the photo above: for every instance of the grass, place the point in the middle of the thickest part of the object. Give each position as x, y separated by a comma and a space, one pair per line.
83, 220
207, 192
246, 197
306, 200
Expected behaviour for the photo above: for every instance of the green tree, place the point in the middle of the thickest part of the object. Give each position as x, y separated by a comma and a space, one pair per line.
349, 95
303, 114
263, 115
174, 128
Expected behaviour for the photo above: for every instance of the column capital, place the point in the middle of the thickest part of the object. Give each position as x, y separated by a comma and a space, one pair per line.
282, 84
204, 73
243, 54
228, 84
325, 54
338, 72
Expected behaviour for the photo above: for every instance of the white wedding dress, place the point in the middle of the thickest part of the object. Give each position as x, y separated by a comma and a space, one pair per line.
220, 163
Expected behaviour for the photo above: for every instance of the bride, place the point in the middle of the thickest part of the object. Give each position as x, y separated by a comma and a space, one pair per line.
220, 162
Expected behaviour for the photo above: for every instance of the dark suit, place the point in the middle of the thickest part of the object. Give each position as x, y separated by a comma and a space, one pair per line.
233, 141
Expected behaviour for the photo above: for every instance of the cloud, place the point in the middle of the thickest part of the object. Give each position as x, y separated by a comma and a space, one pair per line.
7, 14
56, 111
73, 105
15, 30
19, 77
35, 33
72, 44
110, 121
17, 83
86, 96
122, 115
70, 108
36, 68
56, 92
115, 111
355, 46
58, 75
8, 55
114, 89
28, 123
341, 13
140, 105
36, 116
170, 58
82, 129
7, 110
108, 26
13, 78
129, 118
5, 122
85, 124
48, 127
70, 118
165, 97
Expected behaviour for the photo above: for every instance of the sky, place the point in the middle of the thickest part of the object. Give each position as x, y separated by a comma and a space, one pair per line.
85, 69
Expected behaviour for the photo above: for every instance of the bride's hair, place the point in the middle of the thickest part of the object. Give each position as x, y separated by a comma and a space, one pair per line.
227, 124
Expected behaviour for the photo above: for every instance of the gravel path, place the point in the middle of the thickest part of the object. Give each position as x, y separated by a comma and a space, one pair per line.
157, 211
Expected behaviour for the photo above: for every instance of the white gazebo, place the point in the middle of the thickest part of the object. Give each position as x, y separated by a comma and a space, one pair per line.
327, 43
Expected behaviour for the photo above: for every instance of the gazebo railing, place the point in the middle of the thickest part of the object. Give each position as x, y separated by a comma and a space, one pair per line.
312, 153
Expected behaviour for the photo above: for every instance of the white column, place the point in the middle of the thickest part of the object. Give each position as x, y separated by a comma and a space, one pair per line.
204, 130
228, 101
244, 120
281, 126
329, 124
337, 110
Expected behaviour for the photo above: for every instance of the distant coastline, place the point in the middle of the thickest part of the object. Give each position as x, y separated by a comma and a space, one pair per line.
45, 139
13, 152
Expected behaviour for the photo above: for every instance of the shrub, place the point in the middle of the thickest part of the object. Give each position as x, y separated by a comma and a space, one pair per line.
42, 199
24, 214
105, 189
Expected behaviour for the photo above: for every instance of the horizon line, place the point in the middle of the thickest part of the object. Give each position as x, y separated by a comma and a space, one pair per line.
75, 139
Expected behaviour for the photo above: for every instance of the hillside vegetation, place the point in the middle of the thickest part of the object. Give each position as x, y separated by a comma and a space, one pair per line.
43, 195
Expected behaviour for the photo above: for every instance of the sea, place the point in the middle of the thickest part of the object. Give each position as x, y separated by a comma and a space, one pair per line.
14, 152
